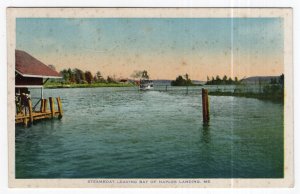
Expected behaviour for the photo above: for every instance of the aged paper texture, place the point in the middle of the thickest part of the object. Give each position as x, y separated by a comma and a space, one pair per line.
125, 85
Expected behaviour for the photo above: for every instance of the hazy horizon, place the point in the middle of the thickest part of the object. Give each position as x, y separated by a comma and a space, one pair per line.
165, 47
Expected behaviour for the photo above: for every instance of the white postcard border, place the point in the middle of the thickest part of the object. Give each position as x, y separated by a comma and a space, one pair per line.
285, 13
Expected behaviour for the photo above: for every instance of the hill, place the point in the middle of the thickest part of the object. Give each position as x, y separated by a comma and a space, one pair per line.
257, 79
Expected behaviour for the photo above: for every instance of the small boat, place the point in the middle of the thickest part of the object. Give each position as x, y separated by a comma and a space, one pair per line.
146, 84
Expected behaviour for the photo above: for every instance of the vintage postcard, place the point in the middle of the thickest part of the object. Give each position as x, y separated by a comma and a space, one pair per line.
150, 97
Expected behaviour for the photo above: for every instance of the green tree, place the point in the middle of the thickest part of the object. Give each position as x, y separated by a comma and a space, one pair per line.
218, 80
273, 81
71, 76
230, 81
224, 80
110, 80
98, 76
180, 81
212, 81
236, 80
79, 76
186, 76
88, 77
281, 79
65, 75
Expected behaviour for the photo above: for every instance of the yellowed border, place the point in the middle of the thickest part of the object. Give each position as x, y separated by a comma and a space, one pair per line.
285, 13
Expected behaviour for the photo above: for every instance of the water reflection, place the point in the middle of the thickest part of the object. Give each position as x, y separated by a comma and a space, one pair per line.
206, 136
35, 143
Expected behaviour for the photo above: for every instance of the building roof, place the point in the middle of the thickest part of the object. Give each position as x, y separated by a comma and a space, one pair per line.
28, 66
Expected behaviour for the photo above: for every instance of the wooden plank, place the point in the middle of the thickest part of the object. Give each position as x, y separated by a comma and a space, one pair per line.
59, 106
45, 115
41, 113
21, 117
19, 120
52, 106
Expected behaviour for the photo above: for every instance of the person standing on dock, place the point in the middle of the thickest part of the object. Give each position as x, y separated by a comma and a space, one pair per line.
25, 97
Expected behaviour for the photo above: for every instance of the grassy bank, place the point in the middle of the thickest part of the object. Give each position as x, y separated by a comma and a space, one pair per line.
264, 96
92, 85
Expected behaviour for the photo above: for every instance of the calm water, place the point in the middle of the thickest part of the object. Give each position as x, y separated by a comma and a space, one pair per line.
124, 133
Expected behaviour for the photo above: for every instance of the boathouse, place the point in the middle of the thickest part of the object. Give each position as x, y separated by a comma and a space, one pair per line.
31, 73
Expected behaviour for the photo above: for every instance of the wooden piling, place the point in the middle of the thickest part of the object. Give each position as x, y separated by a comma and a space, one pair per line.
59, 107
30, 111
51, 101
45, 105
205, 106
25, 121
28, 115
42, 105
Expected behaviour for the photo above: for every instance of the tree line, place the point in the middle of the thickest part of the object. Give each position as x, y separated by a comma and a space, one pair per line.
275, 86
224, 81
182, 81
84, 77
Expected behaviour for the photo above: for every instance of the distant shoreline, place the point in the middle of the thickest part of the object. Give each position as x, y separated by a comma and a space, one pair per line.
273, 97
93, 85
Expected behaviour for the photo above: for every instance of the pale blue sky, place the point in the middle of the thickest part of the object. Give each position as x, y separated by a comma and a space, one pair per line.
184, 45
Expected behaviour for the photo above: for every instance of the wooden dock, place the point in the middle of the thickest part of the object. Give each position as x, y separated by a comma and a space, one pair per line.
27, 116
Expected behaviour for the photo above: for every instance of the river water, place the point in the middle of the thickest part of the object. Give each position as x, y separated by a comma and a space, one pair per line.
125, 133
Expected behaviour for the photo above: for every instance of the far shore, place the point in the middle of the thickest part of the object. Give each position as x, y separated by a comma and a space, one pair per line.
269, 96
273, 96
92, 85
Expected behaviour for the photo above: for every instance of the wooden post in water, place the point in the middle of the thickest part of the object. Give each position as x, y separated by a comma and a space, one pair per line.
30, 111
205, 106
45, 105
52, 107
42, 105
59, 108
166, 87
25, 120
